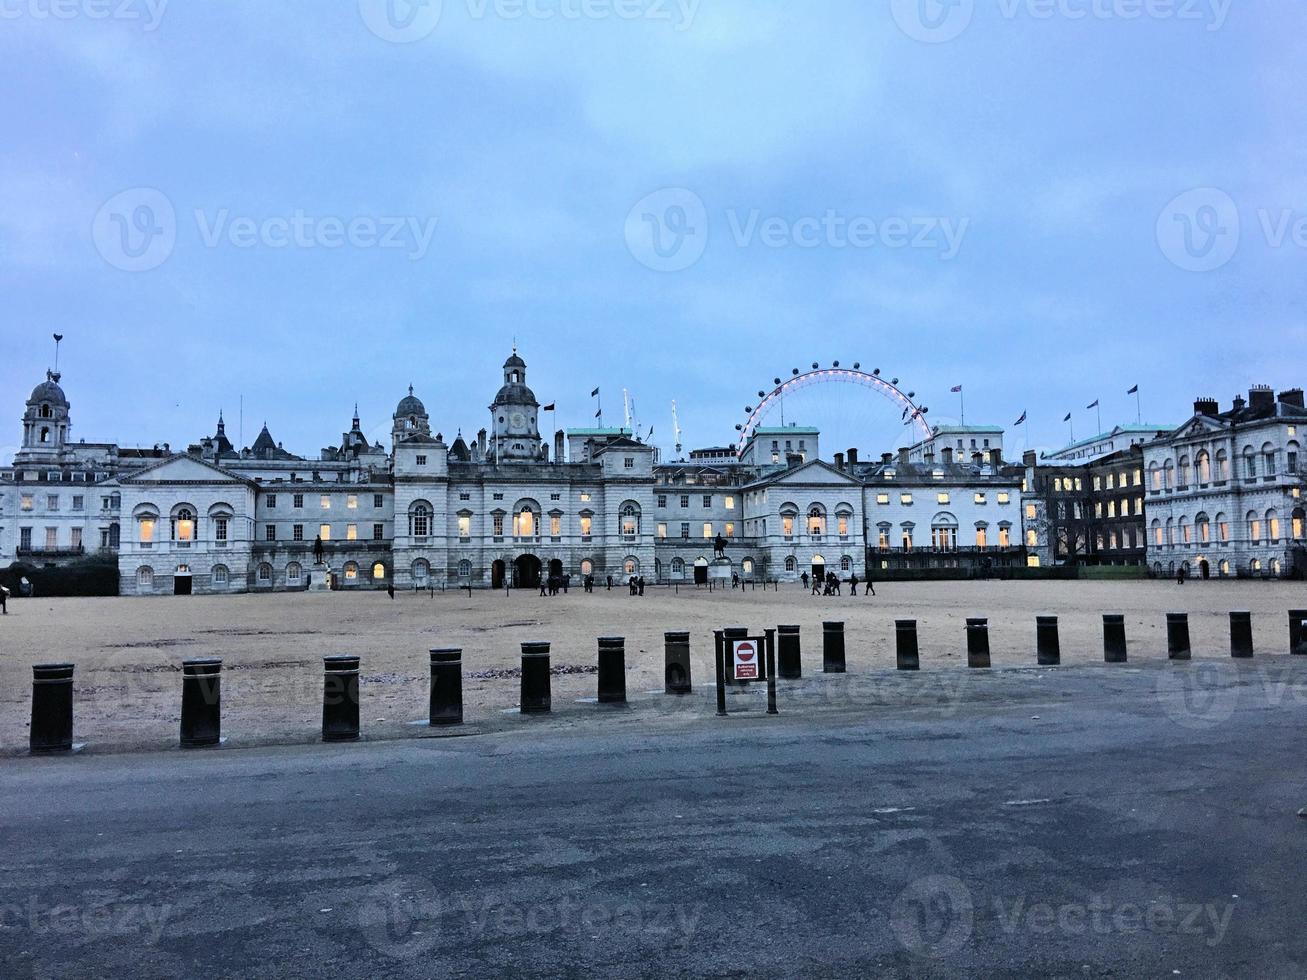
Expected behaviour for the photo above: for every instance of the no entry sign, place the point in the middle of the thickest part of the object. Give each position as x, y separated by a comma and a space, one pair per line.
748, 658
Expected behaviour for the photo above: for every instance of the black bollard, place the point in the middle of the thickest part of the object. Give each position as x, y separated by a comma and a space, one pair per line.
1114, 644
770, 643
1298, 632
676, 658
340, 699
789, 653
612, 670
1241, 635
1049, 648
905, 640
1177, 636
535, 678
832, 648
201, 703
52, 709
446, 706
977, 642
719, 653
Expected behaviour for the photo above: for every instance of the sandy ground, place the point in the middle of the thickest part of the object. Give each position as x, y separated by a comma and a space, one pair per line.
128, 652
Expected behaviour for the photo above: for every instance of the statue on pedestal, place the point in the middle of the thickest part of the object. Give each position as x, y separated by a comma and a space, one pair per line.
318, 551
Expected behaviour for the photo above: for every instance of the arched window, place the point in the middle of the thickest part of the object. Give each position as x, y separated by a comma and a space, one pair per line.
846, 563
791, 564
587, 567
1157, 532
747, 566
524, 522
789, 516
1268, 454
1204, 526
1254, 526
1298, 518
631, 566
1275, 566
1222, 465
1168, 475
265, 575
465, 569
378, 572
1186, 533
45, 411
221, 575
1182, 475
1222, 527
294, 573
1273, 525
630, 519
419, 520
944, 532
145, 577
351, 571
1204, 467
1170, 531
678, 568
1255, 566
1154, 476
422, 569
1224, 567
816, 520
1291, 457
843, 517
45, 434
1249, 463
183, 524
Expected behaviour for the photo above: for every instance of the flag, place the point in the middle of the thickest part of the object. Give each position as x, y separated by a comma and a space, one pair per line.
1093, 404
1133, 391
1021, 420
599, 414
58, 337
595, 393
956, 389
1068, 417
551, 407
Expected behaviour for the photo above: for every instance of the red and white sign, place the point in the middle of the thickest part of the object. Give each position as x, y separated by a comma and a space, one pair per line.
746, 660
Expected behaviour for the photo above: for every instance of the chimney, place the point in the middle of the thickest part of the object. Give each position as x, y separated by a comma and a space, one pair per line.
1261, 397
793, 459
481, 442
1239, 403
903, 455
948, 455
558, 446
977, 458
1206, 406
853, 453
1030, 458
886, 458
1292, 397
839, 461
996, 456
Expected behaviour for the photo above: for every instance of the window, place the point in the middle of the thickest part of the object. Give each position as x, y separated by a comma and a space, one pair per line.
220, 529
325, 502
351, 572
421, 521
629, 463
270, 532
420, 461
842, 524
982, 536
662, 532
587, 524
1273, 525
707, 500
1254, 527
265, 574
461, 496
555, 526
882, 499
465, 526
906, 499
525, 524
587, 567
351, 532
75, 537
1031, 512
555, 496
146, 530
846, 564
707, 531
52, 502
324, 532
685, 532
787, 525
378, 532
630, 521
352, 501
297, 532
145, 577
942, 498
221, 575
26, 502
378, 572
730, 503
297, 501
294, 572
1032, 538
585, 498
980, 498
500, 496
51, 538
1005, 537
270, 501
730, 529
25, 538
79, 503
662, 500
907, 538
816, 521
685, 500
421, 569
790, 564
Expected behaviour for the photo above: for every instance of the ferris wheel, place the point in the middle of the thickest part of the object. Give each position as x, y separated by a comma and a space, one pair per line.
911, 413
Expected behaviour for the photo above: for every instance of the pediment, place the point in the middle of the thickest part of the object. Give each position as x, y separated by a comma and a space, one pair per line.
184, 469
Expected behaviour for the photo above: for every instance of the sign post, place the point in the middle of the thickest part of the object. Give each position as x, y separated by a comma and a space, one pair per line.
742, 659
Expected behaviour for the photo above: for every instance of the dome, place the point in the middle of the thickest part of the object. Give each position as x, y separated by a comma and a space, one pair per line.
515, 394
514, 361
410, 405
49, 391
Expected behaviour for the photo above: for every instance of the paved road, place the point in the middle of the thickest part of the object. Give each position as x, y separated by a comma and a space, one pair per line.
1072, 823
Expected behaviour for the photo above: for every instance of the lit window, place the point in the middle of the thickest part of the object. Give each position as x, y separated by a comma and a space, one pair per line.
1032, 538
980, 498
843, 524
465, 527
324, 532
1030, 512
26, 503
585, 498
905, 499
882, 499
378, 571
942, 498
787, 525
352, 502
730, 529
351, 532
147, 530
1004, 537
707, 531
351, 572
730, 503
326, 502
662, 531
982, 537
555, 526
586, 524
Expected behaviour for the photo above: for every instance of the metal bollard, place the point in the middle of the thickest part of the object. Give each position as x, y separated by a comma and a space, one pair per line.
201, 703
789, 653
1298, 632
832, 648
446, 707
676, 658
535, 678
612, 670
977, 642
1114, 644
340, 699
52, 709
1048, 647
1177, 636
906, 649
1241, 635
770, 663
719, 648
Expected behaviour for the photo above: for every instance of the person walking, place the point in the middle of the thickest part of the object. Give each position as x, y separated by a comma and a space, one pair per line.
641, 585
817, 582
868, 587
4, 601
805, 580
1179, 579
853, 584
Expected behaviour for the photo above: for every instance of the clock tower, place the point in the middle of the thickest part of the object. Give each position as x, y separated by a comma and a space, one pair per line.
516, 411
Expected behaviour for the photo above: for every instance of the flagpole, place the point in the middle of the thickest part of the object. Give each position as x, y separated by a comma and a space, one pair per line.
1139, 407
1098, 413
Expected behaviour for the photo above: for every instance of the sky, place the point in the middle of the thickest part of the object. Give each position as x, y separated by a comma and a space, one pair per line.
295, 206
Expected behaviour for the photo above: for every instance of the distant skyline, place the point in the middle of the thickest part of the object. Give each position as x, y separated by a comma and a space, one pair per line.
311, 206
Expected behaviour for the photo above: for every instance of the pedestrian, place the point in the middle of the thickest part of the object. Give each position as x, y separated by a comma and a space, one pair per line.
4, 601
641, 585
610, 583
390, 591
567, 581
1179, 580
735, 581
817, 582
804, 578
543, 588
853, 584
868, 587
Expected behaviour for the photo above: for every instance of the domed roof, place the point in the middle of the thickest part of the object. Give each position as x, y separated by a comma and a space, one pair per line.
49, 391
514, 361
515, 395
410, 405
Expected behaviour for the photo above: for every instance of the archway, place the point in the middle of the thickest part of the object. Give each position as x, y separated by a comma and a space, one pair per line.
181, 582
818, 568
556, 569
701, 571
498, 572
526, 572
1204, 569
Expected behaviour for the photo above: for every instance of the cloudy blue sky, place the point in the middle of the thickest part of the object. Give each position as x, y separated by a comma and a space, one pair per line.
305, 204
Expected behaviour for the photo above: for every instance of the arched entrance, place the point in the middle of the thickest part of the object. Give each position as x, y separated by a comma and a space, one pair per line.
701, 571
818, 567
526, 572
181, 582
497, 573
556, 569
1204, 569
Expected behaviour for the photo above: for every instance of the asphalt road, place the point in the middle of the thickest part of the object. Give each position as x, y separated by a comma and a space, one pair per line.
1080, 822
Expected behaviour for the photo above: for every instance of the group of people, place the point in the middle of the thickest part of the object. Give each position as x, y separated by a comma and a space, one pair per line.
829, 584
555, 583
637, 585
